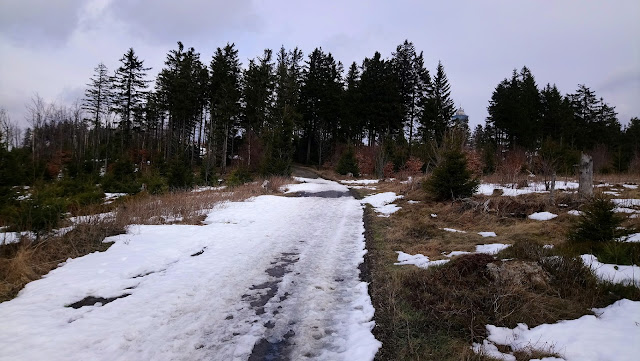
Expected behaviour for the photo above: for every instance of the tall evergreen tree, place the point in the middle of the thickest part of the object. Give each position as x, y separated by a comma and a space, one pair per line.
413, 83
596, 121
225, 95
259, 86
181, 86
556, 117
320, 100
98, 98
280, 137
381, 99
438, 107
352, 124
98, 94
515, 110
129, 86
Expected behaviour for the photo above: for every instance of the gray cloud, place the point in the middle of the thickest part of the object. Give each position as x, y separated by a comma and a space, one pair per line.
168, 21
39, 22
564, 42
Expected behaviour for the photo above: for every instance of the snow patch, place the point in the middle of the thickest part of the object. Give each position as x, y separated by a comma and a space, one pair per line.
613, 272
360, 181
612, 334
491, 248
542, 216
635, 237
574, 212
381, 203
418, 260
453, 230
535, 187
629, 202
487, 234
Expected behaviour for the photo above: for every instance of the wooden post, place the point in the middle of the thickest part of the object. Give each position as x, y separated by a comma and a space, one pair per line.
585, 189
552, 190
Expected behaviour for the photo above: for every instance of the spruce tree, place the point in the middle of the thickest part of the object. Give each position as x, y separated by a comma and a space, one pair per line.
381, 99
129, 86
280, 137
181, 86
403, 66
259, 86
451, 178
352, 124
438, 107
98, 94
225, 95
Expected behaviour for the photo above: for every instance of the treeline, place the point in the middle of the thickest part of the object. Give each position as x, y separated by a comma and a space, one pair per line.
526, 120
200, 119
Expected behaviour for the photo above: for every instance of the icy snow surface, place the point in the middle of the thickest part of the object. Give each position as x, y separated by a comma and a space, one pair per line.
418, 260
613, 334
542, 216
453, 230
311, 185
488, 234
491, 248
381, 203
632, 238
360, 181
630, 186
627, 202
423, 261
487, 188
612, 272
279, 273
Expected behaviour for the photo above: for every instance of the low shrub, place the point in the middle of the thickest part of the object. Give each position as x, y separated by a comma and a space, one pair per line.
451, 178
239, 176
598, 222
348, 163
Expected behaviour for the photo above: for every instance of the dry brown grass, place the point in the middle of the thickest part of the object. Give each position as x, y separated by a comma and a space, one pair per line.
435, 314
21, 263
26, 261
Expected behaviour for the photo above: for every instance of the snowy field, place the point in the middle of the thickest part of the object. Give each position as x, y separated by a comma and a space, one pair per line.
264, 278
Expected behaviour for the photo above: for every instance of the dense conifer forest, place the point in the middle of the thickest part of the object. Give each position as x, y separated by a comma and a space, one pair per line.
203, 120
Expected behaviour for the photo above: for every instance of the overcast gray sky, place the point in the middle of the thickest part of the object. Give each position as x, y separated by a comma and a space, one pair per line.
50, 47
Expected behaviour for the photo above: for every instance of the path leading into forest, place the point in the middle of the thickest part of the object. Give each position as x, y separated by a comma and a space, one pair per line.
272, 278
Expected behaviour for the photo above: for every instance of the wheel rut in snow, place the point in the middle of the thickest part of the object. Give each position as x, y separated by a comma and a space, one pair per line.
276, 347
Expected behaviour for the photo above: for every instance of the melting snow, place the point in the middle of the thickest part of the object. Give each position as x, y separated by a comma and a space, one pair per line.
612, 334
418, 260
537, 187
381, 203
632, 238
627, 202
453, 230
574, 212
487, 234
542, 216
184, 289
360, 181
491, 248
612, 272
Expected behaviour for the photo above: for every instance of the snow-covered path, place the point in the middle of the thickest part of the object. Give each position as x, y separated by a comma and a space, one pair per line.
273, 278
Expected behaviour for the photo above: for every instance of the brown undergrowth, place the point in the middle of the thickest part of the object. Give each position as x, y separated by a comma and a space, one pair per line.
28, 260
437, 313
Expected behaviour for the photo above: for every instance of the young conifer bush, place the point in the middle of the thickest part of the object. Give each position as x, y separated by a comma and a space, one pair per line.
598, 222
348, 163
451, 178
